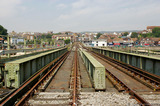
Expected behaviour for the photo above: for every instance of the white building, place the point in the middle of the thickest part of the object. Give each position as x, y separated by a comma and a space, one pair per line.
99, 42
16, 40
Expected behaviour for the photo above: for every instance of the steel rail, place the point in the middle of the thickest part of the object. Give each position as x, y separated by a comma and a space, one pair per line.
74, 102
30, 92
18, 93
140, 100
146, 75
155, 78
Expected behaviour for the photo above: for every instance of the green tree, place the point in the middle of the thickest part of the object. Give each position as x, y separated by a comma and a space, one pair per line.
57, 33
20, 43
112, 37
67, 41
38, 41
125, 33
155, 33
134, 35
98, 35
3, 31
66, 33
48, 36
30, 42
155, 30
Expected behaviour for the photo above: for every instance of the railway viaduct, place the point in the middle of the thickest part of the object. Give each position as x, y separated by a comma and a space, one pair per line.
76, 69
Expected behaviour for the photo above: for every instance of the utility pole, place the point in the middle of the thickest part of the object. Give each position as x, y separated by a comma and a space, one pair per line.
8, 45
42, 43
51, 43
148, 51
24, 46
34, 43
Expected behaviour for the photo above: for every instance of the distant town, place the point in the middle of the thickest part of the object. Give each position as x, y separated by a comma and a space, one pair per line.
147, 37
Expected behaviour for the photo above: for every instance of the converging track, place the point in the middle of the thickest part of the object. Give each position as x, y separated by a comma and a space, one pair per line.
66, 81
133, 80
25, 91
58, 83
76, 80
137, 82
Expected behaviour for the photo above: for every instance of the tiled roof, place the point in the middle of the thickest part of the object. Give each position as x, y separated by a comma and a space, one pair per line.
1, 39
155, 39
109, 40
134, 39
152, 27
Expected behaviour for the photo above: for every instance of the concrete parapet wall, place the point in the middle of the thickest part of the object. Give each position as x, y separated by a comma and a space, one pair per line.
18, 71
150, 64
95, 69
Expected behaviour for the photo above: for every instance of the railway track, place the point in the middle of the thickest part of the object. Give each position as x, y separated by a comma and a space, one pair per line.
21, 95
53, 95
64, 85
33, 91
75, 81
122, 71
148, 79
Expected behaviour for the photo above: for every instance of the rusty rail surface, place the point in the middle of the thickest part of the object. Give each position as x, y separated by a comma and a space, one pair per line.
151, 79
75, 72
140, 100
31, 85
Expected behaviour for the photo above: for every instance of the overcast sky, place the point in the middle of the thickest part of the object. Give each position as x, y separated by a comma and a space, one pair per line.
78, 15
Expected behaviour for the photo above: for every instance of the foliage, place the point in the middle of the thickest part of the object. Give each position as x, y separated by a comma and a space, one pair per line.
156, 30
57, 33
30, 42
112, 37
20, 43
155, 33
98, 35
125, 33
48, 36
66, 33
67, 41
134, 35
38, 41
3, 31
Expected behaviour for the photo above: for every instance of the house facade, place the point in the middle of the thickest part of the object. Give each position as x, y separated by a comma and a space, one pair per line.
99, 42
16, 40
146, 42
61, 37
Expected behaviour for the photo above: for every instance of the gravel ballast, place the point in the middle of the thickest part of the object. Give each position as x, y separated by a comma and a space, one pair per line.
106, 99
